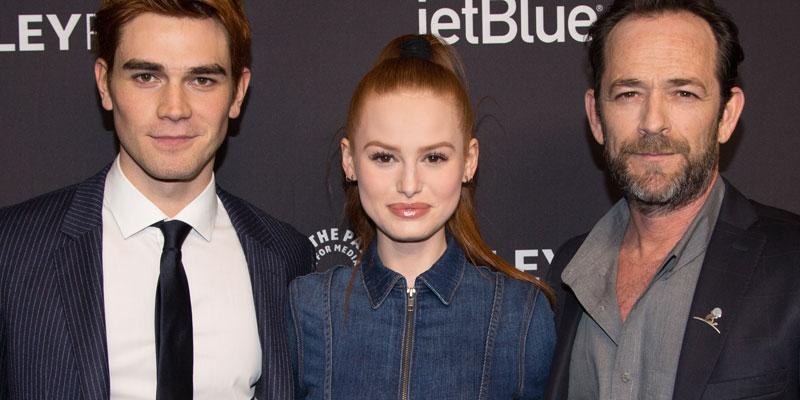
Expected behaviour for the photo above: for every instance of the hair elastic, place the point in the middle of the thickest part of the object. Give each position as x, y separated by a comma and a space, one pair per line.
416, 47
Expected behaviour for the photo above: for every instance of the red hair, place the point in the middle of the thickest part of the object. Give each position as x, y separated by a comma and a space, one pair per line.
441, 73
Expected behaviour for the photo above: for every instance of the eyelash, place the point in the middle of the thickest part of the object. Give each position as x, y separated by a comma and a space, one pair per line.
140, 77
436, 157
208, 81
384, 157
381, 156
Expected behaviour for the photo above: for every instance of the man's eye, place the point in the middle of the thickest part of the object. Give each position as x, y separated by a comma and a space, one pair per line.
144, 77
685, 93
204, 81
627, 95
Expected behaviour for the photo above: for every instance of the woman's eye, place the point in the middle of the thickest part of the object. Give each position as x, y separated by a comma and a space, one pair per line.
381, 157
435, 158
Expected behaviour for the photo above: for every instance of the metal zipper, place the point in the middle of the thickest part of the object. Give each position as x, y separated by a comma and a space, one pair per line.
407, 341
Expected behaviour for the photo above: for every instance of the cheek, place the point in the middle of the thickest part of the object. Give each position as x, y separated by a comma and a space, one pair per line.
446, 186
374, 185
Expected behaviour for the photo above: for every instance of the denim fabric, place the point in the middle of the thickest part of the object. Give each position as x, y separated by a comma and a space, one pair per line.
478, 334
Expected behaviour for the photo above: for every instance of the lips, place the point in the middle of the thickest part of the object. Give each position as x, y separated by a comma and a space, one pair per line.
173, 141
409, 210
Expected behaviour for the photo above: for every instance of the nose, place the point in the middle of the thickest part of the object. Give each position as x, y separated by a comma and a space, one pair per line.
409, 183
655, 118
173, 104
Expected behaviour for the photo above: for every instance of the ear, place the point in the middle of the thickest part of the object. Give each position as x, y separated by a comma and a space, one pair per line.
101, 78
241, 91
590, 103
348, 165
471, 160
730, 114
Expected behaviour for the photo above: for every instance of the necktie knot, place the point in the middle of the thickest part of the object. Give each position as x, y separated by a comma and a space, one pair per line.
175, 232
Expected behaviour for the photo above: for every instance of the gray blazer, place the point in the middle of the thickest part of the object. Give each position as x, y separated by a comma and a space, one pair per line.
52, 327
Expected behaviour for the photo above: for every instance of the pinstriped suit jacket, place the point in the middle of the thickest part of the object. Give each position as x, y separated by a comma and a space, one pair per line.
52, 324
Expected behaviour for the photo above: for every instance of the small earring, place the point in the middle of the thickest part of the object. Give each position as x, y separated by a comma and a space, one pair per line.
350, 179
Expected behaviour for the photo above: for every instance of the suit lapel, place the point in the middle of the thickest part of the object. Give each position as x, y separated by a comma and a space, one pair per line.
266, 279
731, 257
79, 271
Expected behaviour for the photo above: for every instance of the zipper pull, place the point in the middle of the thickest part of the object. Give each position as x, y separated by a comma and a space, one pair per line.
411, 292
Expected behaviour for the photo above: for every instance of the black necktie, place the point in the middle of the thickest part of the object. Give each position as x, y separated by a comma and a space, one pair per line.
174, 352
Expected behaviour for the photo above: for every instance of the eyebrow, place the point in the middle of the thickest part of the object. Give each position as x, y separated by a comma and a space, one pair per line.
674, 82
422, 150
627, 83
436, 146
211, 69
142, 65
684, 82
380, 144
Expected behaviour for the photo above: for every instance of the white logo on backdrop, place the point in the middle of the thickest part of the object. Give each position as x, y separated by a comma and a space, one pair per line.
503, 21
32, 29
334, 246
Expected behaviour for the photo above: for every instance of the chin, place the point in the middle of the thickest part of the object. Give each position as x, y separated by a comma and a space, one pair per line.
409, 235
173, 173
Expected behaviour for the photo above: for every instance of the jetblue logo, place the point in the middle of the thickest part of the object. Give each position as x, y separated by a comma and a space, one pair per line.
504, 21
34, 29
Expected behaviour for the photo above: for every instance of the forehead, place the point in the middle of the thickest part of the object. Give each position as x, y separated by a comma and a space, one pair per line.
662, 46
409, 116
173, 41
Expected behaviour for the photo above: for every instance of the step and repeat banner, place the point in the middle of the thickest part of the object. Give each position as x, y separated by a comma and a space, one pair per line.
540, 179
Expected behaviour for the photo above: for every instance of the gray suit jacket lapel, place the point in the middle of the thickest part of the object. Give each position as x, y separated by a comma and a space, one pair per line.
79, 271
731, 258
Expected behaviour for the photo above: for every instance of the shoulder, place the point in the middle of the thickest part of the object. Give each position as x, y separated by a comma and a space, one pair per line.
562, 257
246, 216
520, 297
241, 210
781, 227
318, 283
43, 212
310, 295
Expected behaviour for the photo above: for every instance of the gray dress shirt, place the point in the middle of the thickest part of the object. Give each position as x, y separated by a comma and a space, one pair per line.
636, 359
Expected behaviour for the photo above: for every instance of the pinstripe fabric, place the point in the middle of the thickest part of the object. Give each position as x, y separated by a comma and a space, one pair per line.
52, 329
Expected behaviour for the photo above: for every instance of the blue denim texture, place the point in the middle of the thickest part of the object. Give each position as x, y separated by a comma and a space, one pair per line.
478, 334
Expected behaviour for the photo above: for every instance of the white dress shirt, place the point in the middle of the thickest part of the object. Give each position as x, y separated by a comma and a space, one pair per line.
227, 351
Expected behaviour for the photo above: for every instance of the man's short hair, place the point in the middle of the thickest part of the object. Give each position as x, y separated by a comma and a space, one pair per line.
114, 14
729, 50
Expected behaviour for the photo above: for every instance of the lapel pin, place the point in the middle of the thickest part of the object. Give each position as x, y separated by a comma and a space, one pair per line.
711, 318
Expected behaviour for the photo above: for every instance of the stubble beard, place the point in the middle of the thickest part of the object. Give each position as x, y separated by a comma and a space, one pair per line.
656, 192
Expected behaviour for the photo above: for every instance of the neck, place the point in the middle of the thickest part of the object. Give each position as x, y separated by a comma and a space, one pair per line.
411, 259
649, 232
169, 196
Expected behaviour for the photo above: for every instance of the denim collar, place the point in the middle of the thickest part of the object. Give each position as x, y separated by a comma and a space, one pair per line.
442, 278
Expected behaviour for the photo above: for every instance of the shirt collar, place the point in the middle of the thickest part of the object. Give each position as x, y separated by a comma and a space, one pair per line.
442, 278
133, 212
695, 240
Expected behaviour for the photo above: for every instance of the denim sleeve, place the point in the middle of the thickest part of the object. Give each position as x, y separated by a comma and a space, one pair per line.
295, 342
539, 348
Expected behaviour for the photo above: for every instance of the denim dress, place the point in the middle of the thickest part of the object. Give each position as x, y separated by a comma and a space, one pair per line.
462, 332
